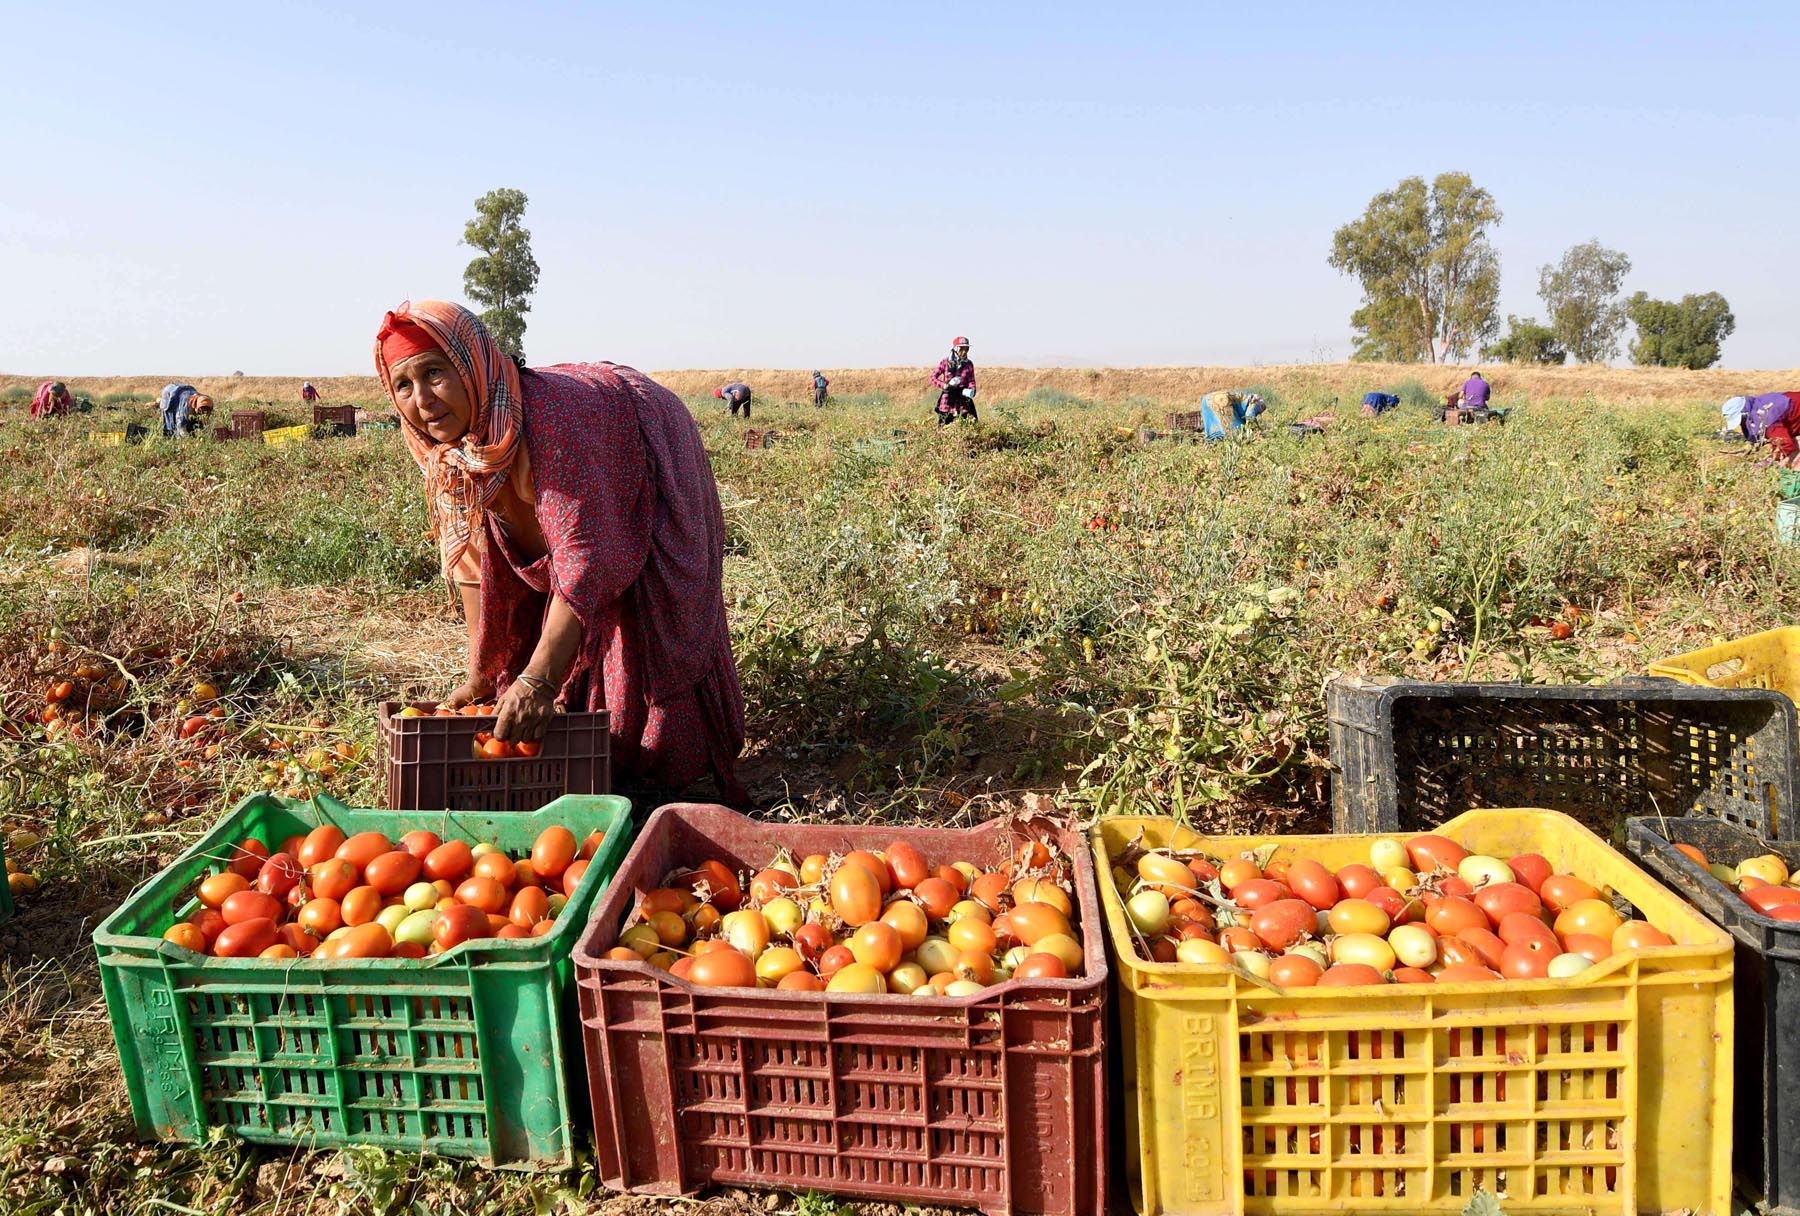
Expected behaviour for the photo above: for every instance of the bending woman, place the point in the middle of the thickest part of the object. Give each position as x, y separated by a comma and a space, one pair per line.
576, 511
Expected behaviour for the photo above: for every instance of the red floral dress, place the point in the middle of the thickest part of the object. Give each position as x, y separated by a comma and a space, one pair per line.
635, 543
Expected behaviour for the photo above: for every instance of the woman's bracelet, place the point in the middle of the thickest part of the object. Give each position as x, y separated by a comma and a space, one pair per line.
537, 682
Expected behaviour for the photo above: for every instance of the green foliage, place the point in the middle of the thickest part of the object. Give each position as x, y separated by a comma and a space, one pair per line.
1430, 277
503, 278
1527, 341
1413, 393
1683, 334
1581, 293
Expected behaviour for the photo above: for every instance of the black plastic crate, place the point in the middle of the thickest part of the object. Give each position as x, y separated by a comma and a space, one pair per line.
334, 421
1766, 1119
1408, 754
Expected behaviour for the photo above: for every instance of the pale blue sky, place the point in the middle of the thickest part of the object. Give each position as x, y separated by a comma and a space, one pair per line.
203, 188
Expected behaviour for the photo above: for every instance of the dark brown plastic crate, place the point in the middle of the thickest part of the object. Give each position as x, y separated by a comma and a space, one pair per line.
431, 762
995, 1101
335, 420
1408, 754
248, 422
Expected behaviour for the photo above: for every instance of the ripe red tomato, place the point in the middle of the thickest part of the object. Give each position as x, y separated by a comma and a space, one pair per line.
1284, 922
1527, 960
907, 867
1313, 883
1487, 945
1467, 973
1765, 899
1412, 975
1258, 893
279, 875
855, 894
1399, 908
1432, 852
770, 885
1522, 926
247, 858
1347, 975
1501, 899
723, 890
1531, 869
553, 851
419, 843
1357, 880
936, 896
1452, 914
457, 924
1559, 891
1292, 971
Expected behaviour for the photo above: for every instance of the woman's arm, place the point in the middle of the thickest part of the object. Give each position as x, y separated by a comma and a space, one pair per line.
477, 687
527, 707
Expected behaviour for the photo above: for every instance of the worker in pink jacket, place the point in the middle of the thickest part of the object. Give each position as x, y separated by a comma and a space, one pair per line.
956, 376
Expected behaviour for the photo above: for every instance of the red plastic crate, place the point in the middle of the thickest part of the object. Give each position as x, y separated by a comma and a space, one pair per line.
995, 1101
431, 762
335, 420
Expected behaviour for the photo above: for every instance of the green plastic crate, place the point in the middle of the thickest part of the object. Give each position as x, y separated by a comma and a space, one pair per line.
466, 1054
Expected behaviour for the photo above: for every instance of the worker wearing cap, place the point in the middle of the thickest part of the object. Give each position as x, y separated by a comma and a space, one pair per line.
1771, 417
956, 376
735, 394
820, 387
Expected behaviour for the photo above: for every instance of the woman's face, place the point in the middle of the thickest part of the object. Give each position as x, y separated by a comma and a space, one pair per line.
430, 395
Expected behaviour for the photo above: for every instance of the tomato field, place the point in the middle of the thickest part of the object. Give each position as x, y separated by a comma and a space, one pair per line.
933, 627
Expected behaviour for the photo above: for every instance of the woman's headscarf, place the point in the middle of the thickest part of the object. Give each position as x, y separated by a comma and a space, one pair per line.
462, 478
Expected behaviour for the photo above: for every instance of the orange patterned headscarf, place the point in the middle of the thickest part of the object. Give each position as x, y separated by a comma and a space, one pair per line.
461, 478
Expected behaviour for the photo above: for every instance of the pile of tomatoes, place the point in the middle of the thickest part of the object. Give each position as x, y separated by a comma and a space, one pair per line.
865, 922
486, 746
1763, 882
1419, 912
327, 896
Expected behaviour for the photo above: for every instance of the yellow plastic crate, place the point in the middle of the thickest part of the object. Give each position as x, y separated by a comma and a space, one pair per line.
283, 435
1608, 1094
107, 439
1762, 660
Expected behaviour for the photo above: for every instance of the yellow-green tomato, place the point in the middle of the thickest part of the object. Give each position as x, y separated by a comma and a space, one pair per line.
483, 849
907, 978
1149, 912
959, 987
1481, 871
1388, 854
557, 904
783, 915
967, 870
416, 927
968, 907
1015, 956
1313, 950
1198, 952
936, 955
1253, 962
641, 938
390, 918
776, 962
747, 930
1567, 966
1363, 948
1413, 945
1062, 946
1770, 868
419, 896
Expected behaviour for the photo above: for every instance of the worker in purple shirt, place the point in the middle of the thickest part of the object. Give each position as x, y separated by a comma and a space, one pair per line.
956, 376
735, 394
1475, 393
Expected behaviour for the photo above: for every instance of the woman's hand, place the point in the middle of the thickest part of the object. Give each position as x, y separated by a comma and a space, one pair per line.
525, 712
473, 691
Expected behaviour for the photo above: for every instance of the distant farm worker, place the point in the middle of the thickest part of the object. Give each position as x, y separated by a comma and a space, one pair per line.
1475, 392
185, 410
1227, 411
1376, 404
576, 512
1774, 417
51, 400
955, 374
820, 385
735, 394
309, 394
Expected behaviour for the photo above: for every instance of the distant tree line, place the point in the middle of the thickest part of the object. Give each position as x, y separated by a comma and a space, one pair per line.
1431, 290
